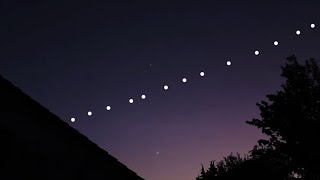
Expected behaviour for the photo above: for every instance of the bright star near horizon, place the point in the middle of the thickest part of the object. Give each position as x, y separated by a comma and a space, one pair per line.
73, 119
108, 108
276, 43
228, 63
89, 113
202, 74
157, 153
313, 25
130, 101
165, 87
256, 53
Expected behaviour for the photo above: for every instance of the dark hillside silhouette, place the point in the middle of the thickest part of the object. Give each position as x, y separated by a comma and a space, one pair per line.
291, 118
37, 145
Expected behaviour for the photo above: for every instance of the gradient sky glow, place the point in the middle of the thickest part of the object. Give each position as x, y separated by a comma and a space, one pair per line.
80, 57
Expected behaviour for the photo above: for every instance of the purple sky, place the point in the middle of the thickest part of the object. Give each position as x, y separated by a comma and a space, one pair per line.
79, 57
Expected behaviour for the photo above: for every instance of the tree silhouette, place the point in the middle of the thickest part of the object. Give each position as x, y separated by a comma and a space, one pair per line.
202, 174
212, 171
291, 120
218, 169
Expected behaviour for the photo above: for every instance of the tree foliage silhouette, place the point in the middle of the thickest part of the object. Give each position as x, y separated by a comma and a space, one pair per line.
291, 120
217, 169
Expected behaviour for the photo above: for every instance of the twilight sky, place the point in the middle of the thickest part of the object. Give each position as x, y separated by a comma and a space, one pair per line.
75, 57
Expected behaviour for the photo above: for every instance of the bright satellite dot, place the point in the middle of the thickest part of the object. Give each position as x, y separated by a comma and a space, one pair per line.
89, 113
184, 80
73, 119
202, 74
165, 87
298, 32
143, 96
256, 53
313, 25
275, 43
228, 63
130, 101
108, 108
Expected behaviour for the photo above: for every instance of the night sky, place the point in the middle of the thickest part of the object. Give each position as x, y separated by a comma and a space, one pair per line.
75, 57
